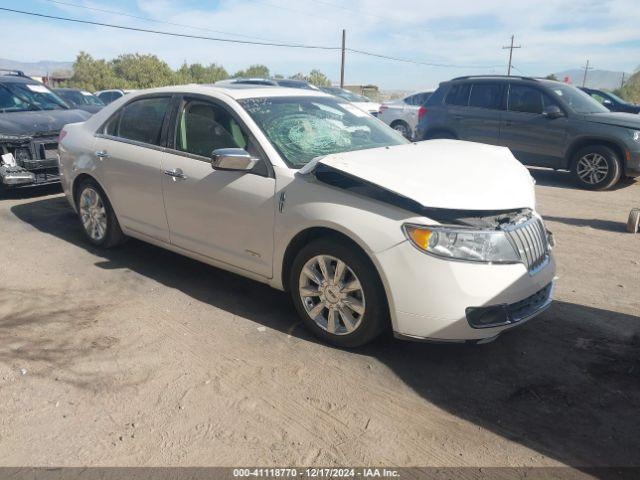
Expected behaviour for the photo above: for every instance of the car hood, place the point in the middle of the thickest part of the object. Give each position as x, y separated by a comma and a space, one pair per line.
619, 119
39, 122
448, 174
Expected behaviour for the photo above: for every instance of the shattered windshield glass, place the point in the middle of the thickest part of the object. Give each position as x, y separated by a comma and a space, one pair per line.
20, 97
303, 128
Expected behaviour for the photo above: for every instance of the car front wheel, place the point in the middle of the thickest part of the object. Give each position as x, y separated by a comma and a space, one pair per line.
338, 294
596, 167
97, 217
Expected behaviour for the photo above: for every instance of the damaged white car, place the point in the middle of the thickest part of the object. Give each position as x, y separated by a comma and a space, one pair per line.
307, 193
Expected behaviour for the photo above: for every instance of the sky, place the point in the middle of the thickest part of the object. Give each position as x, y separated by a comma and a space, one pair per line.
465, 35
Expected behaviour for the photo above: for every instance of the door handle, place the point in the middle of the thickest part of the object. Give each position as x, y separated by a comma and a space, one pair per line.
176, 174
102, 154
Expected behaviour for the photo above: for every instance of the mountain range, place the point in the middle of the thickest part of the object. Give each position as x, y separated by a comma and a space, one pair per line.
605, 79
36, 69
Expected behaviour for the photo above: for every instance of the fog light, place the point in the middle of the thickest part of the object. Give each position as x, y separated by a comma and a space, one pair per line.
485, 317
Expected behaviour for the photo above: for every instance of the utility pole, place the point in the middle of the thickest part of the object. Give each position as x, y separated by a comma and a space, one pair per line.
586, 69
344, 34
622, 81
511, 47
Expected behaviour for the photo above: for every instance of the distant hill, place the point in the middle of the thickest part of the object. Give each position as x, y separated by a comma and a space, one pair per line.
595, 78
36, 69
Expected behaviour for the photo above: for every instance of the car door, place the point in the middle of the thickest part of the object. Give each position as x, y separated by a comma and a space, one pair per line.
533, 138
224, 215
480, 120
129, 150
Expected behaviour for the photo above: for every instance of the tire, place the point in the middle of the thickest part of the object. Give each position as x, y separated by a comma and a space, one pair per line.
97, 218
402, 128
596, 167
359, 315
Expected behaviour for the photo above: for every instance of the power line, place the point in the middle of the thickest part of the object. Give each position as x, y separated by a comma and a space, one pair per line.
417, 62
172, 34
245, 42
148, 19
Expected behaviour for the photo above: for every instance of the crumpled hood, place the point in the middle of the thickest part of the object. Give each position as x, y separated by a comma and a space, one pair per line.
449, 174
620, 119
39, 122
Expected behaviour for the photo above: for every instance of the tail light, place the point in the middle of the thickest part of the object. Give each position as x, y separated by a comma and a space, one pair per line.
422, 112
61, 135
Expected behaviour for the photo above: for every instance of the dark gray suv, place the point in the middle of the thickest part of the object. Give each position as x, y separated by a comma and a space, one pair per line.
544, 123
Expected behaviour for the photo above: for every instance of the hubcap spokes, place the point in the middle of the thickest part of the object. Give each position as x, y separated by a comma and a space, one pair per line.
93, 214
332, 294
592, 168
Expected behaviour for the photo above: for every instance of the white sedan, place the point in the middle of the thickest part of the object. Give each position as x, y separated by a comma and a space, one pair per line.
305, 192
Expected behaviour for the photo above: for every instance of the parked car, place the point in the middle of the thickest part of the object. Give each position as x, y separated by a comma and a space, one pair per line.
108, 96
273, 82
545, 123
31, 117
403, 114
360, 101
80, 99
611, 101
307, 193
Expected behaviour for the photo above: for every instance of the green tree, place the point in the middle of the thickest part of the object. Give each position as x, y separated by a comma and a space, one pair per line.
319, 79
90, 74
254, 71
142, 71
631, 89
197, 73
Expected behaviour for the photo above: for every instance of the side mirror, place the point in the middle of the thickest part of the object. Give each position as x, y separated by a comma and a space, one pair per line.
607, 103
233, 159
552, 111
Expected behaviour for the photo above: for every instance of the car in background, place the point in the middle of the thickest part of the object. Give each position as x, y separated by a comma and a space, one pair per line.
309, 194
360, 101
108, 96
544, 123
404, 114
80, 99
273, 82
31, 117
610, 100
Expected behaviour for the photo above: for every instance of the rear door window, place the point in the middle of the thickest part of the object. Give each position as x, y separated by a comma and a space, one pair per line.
458, 95
486, 95
140, 120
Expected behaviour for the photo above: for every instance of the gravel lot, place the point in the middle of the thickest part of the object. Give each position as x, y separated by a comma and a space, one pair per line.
138, 356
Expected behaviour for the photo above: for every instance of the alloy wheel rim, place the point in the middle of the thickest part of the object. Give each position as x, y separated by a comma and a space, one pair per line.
93, 214
401, 129
592, 168
332, 294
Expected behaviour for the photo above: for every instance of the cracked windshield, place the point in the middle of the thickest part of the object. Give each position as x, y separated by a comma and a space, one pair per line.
304, 128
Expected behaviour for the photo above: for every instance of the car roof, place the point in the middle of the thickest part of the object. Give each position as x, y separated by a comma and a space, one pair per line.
12, 78
237, 91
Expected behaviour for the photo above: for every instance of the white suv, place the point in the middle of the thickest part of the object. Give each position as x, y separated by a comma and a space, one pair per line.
307, 193
403, 114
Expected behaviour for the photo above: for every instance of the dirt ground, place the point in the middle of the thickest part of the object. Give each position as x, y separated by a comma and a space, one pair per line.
138, 356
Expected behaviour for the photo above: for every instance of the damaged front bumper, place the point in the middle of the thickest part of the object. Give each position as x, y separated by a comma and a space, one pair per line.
28, 161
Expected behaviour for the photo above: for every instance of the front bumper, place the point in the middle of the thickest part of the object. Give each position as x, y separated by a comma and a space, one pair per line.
429, 297
632, 167
19, 177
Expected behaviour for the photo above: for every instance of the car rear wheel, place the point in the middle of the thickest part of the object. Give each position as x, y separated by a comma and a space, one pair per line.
402, 128
338, 294
596, 167
440, 134
97, 217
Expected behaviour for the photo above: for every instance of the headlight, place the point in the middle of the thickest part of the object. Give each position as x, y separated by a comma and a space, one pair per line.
463, 244
636, 135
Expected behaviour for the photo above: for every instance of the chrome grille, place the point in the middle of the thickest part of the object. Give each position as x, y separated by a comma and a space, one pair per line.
530, 241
